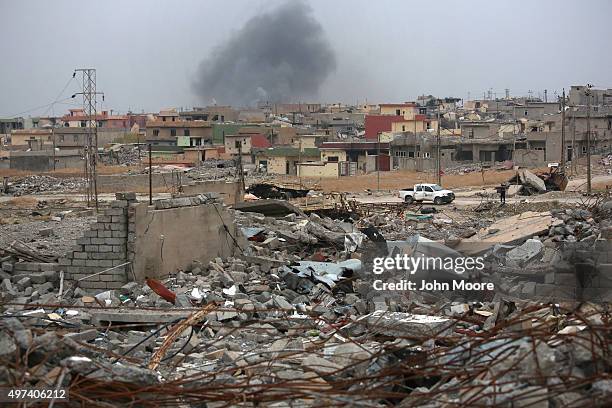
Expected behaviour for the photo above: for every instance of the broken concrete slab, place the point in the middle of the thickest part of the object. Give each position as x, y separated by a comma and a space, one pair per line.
532, 180
511, 230
525, 253
406, 325
270, 208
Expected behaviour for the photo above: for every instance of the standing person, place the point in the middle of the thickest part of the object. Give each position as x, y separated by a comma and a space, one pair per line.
502, 193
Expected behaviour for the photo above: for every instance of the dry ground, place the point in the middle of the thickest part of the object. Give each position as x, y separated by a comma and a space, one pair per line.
402, 178
71, 172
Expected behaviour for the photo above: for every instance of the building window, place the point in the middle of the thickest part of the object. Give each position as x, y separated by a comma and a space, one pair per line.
155, 132
526, 113
332, 158
403, 128
186, 132
237, 144
75, 138
61, 138
400, 153
163, 118
411, 154
83, 123
426, 155
397, 112
173, 118
172, 132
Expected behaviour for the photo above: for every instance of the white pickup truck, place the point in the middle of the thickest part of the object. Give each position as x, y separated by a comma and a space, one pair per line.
426, 192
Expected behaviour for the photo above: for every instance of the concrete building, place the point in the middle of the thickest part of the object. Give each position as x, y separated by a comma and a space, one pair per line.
357, 157
284, 160
577, 96
69, 138
34, 139
216, 114
9, 124
408, 109
192, 132
77, 118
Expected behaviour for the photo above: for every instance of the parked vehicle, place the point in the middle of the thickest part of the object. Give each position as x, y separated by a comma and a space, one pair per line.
426, 192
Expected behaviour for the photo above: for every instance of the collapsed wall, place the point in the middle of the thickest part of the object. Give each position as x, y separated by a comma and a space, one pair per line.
132, 240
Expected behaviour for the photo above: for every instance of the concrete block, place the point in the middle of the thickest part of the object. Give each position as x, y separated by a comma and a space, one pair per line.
64, 261
79, 255
91, 234
118, 248
117, 227
91, 248
114, 241
83, 241
104, 218
30, 266
38, 278
119, 204
97, 241
105, 263
119, 234
107, 278
104, 234
92, 262
74, 269
93, 284
105, 248
79, 262
117, 262
119, 219
114, 211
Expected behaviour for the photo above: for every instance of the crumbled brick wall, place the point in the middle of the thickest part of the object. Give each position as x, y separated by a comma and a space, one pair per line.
103, 246
111, 242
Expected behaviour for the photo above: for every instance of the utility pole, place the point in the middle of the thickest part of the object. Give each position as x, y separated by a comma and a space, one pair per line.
378, 161
299, 160
438, 159
91, 150
588, 137
574, 155
240, 168
150, 176
563, 149
53, 136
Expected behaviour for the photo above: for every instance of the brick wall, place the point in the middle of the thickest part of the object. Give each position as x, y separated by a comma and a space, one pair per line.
102, 247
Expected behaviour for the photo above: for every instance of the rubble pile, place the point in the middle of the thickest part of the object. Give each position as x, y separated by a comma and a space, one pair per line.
125, 155
272, 347
293, 320
213, 170
44, 184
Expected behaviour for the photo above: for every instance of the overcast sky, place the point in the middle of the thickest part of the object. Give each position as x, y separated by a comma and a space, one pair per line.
147, 53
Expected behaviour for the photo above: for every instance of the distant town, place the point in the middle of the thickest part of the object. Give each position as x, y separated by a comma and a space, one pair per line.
331, 140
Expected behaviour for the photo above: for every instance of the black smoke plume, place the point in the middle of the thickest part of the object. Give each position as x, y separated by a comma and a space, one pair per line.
278, 56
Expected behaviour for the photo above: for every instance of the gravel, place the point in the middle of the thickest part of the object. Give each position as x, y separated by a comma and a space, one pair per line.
65, 233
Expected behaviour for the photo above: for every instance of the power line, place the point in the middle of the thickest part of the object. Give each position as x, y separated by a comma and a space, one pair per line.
49, 105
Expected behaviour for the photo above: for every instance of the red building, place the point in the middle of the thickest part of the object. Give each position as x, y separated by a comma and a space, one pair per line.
375, 124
